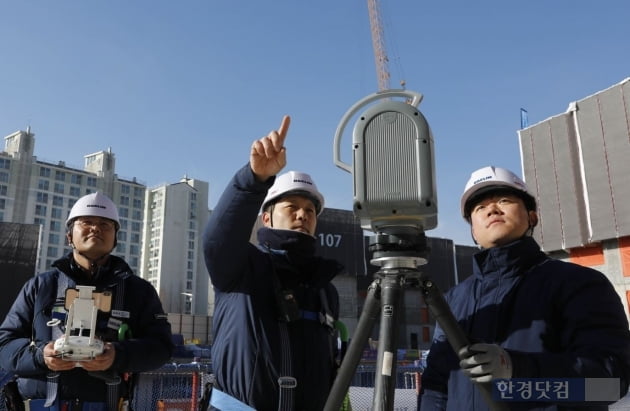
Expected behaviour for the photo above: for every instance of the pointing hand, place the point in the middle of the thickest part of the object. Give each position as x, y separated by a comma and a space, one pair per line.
268, 155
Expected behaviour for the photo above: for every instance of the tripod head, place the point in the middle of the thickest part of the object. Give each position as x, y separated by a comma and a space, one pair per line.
406, 250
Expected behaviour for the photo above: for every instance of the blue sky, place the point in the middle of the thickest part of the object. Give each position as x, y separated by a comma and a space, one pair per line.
183, 88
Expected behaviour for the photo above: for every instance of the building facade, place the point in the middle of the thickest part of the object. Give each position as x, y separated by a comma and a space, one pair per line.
160, 228
36, 192
576, 165
172, 251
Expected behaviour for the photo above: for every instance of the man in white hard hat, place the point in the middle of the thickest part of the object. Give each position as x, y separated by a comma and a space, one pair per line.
527, 316
275, 305
135, 332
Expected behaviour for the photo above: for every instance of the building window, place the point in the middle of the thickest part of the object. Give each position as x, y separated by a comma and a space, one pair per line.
54, 225
40, 210
53, 238
123, 212
42, 197
60, 175
39, 221
55, 213
43, 185
3, 203
137, 203
58, 201
138, 192
122, 235
125, 189
76, 179
135, 226
51, 252
91, 181
123, 224
44, 172
135, 238
134, 250
75, 191
4, 177
136, 214
59, 188
5, 163
124, 200
3, 190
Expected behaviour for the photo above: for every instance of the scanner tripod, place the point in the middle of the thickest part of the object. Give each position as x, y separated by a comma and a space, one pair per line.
399, 257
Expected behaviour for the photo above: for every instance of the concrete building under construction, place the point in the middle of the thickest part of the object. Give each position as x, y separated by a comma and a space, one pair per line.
577, 166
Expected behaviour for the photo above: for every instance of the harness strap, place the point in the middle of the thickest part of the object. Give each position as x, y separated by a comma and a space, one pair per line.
52, 383
328, 319
286, 382
223, 401
52, 379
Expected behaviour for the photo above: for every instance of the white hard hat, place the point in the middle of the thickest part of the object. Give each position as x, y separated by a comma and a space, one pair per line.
295, 183
95, 204
492, 178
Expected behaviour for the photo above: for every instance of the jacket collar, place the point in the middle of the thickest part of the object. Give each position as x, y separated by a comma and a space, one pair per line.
508, 260
115, 267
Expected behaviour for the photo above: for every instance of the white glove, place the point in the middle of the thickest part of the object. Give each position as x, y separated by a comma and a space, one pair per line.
483, 363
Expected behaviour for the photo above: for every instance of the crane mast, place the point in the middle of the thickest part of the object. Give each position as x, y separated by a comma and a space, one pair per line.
378, 43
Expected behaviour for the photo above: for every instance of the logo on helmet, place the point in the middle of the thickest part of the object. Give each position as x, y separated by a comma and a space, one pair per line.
297, 180
479, 180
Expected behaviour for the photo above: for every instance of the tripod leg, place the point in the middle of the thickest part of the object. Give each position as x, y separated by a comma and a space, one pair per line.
352, 358
441, 311
386, 361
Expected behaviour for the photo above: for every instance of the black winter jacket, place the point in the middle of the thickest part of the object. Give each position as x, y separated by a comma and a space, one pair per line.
246, 352
24, 332
555, 319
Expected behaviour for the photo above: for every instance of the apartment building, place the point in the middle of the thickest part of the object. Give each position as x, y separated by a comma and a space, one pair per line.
160, 227
37, 192
172, 254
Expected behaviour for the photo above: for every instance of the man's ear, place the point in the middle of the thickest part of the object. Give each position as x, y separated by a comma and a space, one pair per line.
533, 218
266, 218
69, 239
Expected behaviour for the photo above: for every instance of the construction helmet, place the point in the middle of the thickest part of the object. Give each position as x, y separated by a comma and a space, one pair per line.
294, 183
493, 178
96, 205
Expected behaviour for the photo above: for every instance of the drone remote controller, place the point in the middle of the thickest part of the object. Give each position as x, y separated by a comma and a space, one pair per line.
79, 342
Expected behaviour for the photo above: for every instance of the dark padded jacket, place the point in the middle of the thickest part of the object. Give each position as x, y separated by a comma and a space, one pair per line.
246, 351
24, 332
555, 319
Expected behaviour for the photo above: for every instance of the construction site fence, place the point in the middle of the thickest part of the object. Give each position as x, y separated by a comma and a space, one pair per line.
180, 387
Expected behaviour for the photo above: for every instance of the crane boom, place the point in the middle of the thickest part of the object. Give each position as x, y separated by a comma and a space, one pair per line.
378, 43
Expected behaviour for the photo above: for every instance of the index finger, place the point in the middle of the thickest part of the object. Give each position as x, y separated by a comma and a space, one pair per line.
284, 127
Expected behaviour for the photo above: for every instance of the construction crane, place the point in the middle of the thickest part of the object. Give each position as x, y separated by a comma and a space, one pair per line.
378, 43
